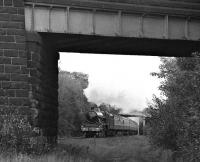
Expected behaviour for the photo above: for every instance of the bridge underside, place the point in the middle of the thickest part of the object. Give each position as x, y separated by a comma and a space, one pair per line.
120, 45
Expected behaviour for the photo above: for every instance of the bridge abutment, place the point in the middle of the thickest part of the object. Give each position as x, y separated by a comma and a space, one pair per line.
28, 70
43, 79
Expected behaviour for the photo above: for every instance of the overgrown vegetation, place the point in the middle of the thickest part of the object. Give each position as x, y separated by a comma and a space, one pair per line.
72, 102
20, 141
175, 120
18, 136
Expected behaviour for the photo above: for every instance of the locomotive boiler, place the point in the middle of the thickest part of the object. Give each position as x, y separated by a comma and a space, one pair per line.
101, 123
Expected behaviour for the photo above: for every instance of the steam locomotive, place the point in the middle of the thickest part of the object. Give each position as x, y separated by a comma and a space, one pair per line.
101, 124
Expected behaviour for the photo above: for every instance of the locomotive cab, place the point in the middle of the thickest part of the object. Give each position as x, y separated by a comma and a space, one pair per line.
94, 123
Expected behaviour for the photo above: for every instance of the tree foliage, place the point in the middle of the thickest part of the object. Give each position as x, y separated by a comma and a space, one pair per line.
72, 101
175, 120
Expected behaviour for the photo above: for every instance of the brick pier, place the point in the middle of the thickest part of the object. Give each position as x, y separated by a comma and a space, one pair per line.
28, 69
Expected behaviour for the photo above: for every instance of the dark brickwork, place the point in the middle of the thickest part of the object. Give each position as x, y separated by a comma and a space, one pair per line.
13, 82
43, 66
28, 69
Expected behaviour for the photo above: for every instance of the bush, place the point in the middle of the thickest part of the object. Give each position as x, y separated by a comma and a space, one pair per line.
163, 125
18, 136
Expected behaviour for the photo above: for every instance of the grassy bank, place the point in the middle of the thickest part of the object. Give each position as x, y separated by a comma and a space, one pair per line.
113, 149
123, 149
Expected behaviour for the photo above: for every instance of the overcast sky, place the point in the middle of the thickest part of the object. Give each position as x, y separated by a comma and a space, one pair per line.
120, 80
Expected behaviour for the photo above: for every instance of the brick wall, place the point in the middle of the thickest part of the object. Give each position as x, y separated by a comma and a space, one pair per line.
28, 69
43, 66
13, 60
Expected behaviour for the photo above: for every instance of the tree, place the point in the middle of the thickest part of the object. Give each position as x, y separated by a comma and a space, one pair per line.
175, 120
72, 101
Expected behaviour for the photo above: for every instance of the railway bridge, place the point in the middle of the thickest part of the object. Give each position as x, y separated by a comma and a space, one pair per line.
32, 32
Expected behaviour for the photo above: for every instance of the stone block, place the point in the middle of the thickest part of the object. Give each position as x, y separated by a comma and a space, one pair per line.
10, 93
18, 3
24, 70
20, 11
20, 46
4, 17
5, 60
15, 32
15, 85
2, 31
17, 18
1, 52
20, 39
13, 25
21, 93
3, 100
12, 69
6, 38
1, 68
9, 10
19, 61
18, 101
4, 77
19, 77
8, 2
22, 53
11, 53
2, 92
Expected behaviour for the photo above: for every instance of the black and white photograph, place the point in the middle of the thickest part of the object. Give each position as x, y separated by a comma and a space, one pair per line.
99, 80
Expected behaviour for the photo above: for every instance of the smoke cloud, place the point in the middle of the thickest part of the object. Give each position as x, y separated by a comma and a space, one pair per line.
120, 80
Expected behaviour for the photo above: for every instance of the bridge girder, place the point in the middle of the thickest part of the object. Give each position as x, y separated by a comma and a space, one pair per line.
150, 20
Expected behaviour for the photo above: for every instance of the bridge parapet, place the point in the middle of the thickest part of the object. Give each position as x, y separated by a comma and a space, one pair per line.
139, 19
149, 6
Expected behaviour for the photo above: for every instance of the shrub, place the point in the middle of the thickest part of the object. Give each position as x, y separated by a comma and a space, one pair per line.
18, 136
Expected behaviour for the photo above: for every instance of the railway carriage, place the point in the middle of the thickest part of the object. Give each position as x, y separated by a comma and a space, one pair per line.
102, 123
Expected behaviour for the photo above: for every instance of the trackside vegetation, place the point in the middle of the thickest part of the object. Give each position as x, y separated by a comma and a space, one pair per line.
19, 141
175, 119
